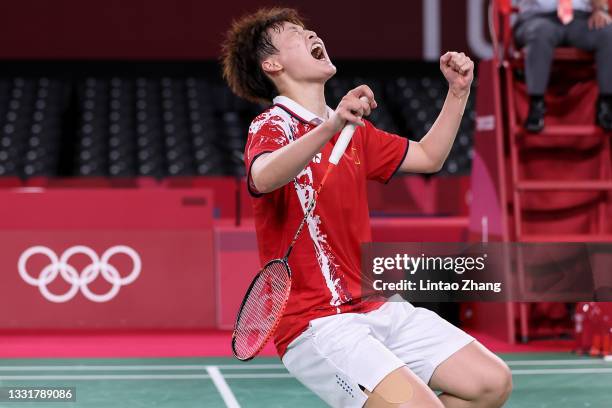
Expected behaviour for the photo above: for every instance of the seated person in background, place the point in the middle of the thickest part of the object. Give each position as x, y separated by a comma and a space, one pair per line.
543, 25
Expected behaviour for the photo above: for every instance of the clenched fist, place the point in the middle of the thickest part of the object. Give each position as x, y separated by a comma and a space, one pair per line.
458, 69
357, 103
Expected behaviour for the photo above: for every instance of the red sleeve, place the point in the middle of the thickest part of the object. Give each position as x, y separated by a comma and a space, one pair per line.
384, 153
266, 135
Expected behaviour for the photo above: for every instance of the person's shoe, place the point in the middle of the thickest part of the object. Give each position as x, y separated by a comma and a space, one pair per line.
535, 118
604, 114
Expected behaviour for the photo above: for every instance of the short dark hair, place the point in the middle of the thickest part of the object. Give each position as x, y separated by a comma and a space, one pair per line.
246, 45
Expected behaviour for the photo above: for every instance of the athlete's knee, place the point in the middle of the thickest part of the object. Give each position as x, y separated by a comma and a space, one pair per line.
496, 386
401, 389
375, 400
378, 401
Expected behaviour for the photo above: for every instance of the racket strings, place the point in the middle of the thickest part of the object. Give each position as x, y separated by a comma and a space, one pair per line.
263, 309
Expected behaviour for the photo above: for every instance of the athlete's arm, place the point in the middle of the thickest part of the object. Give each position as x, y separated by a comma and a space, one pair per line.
273, 170
428, 155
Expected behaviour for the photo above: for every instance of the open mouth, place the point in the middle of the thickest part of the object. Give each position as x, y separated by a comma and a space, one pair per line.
317, 52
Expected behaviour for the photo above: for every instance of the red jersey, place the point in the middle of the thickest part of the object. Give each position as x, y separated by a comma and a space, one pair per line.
326, 260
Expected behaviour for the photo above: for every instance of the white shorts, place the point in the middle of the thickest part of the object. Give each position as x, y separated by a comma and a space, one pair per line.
339, 353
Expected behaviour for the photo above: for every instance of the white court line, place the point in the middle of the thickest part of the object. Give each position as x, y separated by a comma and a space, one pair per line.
142, 377
196, 367
104, 368
248, 366
222, 387
107, 377
608, 359
255, 375
563, 371
554, 362
143, 367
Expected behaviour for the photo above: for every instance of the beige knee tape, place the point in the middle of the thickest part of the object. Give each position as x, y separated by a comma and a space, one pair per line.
377, 401
394, 393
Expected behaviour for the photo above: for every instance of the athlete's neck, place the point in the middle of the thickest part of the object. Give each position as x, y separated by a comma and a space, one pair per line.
311, 97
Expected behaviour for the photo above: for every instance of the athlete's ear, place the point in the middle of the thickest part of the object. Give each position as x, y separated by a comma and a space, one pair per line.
271, 66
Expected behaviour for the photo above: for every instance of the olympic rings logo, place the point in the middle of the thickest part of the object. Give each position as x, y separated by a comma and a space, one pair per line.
61, 267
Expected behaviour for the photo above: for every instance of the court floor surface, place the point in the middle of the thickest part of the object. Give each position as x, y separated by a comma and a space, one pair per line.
540, 380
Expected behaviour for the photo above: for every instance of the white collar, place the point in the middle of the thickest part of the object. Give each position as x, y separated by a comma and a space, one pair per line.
298, 110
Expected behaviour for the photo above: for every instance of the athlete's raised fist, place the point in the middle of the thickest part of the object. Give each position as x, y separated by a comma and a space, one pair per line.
458, 69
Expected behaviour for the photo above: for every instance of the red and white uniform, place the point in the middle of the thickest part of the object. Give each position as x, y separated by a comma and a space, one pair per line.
331, 340
325, 262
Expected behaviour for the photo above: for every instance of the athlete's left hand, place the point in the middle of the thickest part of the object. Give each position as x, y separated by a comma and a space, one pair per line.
458, 69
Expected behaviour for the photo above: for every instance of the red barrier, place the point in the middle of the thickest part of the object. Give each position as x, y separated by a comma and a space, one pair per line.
425, 229
237, 259
10, 182
236, 263
418, 195
225, 191
106, 258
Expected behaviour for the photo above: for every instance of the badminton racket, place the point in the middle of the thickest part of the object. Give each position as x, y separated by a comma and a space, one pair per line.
266, 298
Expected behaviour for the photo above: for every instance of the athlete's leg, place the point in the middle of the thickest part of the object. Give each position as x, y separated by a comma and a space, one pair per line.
445, 357
340, 360
473, 377
402, 389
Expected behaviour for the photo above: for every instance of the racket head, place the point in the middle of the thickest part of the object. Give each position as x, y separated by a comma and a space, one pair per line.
262, 309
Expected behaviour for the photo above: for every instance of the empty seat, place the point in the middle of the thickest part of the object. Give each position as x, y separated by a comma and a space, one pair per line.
156, 125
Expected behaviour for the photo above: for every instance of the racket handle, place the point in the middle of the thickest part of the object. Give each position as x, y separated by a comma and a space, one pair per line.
345, 137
